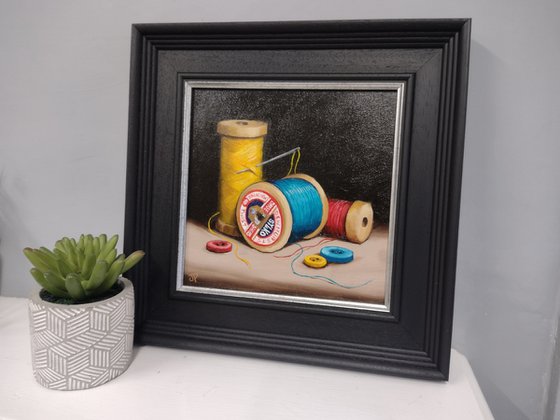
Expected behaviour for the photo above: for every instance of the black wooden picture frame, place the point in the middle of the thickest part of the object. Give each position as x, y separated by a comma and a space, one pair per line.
431, 58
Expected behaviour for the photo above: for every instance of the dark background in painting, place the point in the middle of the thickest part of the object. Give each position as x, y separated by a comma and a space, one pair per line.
346, 140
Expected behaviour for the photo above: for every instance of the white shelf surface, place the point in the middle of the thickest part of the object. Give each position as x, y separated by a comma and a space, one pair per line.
164, 383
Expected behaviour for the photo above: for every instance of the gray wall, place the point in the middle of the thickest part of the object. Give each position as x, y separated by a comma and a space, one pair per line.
63, 126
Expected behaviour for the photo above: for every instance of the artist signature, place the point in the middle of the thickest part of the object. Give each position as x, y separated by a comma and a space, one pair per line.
192, 277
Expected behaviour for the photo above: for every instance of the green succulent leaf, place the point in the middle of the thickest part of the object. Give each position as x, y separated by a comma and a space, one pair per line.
59, 245
87, 266
81, 257
132, 260
40, 278
102, 240
117, 265
88, 241
88, 250
60, 253
55, 279
114, 272
71, 252
35, 259
97, 275
51, 262
47, 251
74, 287
108, 247
63, 268
81, 244
96, 246
111, 256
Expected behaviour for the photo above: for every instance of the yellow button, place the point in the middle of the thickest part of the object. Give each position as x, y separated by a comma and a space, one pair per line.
315, 261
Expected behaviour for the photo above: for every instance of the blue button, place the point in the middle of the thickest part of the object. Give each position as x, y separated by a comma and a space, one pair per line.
337, 254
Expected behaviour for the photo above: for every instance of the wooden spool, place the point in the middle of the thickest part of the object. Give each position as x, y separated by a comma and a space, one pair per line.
264, 216
359, 222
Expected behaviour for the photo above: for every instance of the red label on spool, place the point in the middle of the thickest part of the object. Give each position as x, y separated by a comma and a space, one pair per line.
260, 218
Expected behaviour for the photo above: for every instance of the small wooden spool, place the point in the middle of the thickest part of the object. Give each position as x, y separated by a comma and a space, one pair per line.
359, 222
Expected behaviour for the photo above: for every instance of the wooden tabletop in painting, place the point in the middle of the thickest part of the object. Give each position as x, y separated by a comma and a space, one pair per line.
362, 280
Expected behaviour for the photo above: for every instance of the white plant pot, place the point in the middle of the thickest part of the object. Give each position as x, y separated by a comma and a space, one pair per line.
81, 346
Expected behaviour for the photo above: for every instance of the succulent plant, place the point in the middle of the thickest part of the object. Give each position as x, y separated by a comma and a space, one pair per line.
80, 269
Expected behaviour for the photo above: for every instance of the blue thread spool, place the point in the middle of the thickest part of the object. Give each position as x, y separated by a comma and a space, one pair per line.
305, 205
272, 214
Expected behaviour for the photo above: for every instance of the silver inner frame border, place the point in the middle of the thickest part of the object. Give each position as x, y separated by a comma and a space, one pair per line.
399, 87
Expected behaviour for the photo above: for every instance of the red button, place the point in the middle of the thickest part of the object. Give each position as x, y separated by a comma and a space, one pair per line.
219, 247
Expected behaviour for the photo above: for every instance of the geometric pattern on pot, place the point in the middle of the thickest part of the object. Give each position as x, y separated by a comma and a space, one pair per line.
81, 346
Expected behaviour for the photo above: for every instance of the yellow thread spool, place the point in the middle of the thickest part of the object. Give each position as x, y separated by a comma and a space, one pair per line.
241, 148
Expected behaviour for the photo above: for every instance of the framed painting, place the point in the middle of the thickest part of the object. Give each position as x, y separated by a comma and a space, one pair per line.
296, 188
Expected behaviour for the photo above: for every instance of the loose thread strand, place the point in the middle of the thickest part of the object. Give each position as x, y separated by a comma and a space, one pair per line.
293, 167
321, 242
235, 244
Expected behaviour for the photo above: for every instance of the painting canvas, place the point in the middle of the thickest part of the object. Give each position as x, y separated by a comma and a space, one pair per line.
331, 149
